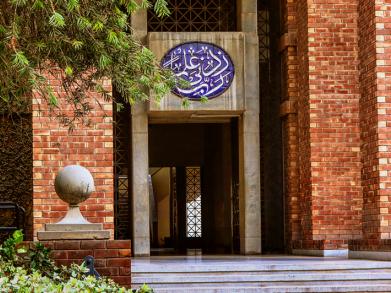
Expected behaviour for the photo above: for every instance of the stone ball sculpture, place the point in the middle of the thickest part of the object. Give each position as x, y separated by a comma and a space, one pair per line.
74, 184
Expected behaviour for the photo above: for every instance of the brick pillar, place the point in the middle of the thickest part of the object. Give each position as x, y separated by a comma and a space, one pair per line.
54, 147
328, 126
288, 113
375, 108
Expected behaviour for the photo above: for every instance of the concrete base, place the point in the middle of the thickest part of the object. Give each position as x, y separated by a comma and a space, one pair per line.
73, 227
73, 232
74, 235
373, 255
322, 252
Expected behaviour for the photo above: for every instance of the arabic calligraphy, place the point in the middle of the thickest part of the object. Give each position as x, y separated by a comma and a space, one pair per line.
207, 68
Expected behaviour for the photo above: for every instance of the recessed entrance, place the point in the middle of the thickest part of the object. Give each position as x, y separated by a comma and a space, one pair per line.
193, 181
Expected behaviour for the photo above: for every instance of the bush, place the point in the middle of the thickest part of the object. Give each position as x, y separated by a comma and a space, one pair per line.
31, 270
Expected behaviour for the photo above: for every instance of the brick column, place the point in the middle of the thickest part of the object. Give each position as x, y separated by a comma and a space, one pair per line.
375, 109
328, 122
54, 147
288, 113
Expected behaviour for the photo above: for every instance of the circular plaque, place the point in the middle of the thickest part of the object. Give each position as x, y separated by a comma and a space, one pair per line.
207, 68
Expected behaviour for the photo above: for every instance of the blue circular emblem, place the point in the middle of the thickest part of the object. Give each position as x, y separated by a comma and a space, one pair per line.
207, 68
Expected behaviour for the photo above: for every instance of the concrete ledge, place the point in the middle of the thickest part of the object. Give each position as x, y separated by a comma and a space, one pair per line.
322, 252
73, 235
74, 227
374, 255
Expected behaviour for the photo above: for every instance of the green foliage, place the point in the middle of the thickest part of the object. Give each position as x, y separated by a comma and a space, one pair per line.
32, 270
186, 103
84, 42
8, 250
204, 99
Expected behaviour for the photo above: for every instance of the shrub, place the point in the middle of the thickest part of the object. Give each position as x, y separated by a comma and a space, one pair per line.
32, 270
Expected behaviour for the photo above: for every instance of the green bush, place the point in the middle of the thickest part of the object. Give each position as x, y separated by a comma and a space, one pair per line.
25, 269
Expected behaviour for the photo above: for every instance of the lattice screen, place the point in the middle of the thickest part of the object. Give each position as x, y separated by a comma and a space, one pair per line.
264, 82
121, 170
193, 202
195, 16
264, 34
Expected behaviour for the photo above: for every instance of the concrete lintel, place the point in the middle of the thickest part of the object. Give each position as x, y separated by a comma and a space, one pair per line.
373, 255
322, 252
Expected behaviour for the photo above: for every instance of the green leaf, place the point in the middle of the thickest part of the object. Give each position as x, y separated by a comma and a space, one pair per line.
77, 44
83, 23
40, 45
161, 8
119, 107
185, 103
112, 38
98, 26
145, 4
72, 5
38, 4
57, 20
20, 59
18, 236
68, 71
104, 61
204, 99
132, 6
5, 98
21, 250
53, 101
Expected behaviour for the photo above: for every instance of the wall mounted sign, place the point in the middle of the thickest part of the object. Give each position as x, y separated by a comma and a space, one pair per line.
207, 68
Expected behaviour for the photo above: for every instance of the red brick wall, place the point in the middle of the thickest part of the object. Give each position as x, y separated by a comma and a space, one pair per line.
288, 48
304, 151
375, 109
369, 118
328, 117
383, 72
54, 147
112, 257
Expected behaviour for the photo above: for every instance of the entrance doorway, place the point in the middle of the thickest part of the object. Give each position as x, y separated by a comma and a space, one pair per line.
193, 181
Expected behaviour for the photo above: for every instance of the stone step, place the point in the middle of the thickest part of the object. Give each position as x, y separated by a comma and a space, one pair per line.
257, 273
266, 274
375, 288
240, 278
266, 283
229, 267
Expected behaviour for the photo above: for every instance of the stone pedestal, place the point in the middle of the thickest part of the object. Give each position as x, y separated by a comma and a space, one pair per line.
73, 232
74, 184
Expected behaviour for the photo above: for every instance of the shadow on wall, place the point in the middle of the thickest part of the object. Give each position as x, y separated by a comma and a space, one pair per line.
16, 169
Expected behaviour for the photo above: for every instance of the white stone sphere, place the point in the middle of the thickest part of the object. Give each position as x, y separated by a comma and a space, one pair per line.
74, 184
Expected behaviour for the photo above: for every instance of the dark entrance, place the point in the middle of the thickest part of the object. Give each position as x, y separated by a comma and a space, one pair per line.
192, 169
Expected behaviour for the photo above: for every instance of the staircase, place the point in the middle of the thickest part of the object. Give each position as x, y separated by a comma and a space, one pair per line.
266, 274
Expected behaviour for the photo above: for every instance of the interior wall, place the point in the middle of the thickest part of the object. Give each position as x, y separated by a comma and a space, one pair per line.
217, 174
161, 188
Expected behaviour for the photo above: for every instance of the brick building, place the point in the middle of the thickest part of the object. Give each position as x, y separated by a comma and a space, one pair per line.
290, 153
